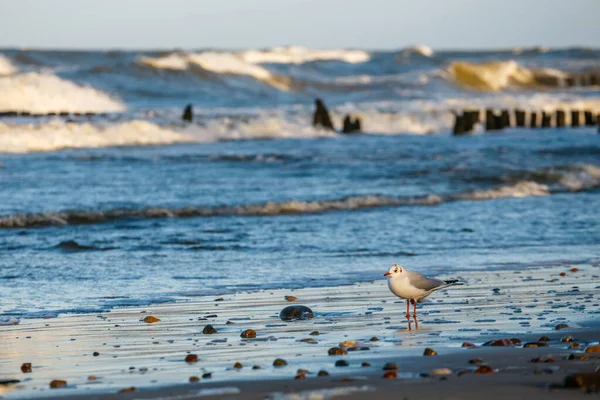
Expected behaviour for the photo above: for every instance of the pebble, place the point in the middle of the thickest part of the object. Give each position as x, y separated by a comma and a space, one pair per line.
26, 368
314, 333
348, 343
429, 352
574, 269
291, 298
303, 371
95, 354
574, 345
578, 357
237, 365
92, 378
567, 339
308, 340
209, 330
535, 344
561, 326
279, 362
390, 366
593, 349
150, 319
191, 358
296, 313
365, 364
543, 360
583, 380
336, 351
374, 339
441, 371
484, 369
476, 361
228, 323
256, 367
194, 379
127, 390
467, 344
341, 363
300, 377
248, 334
207, 375
323, 373
544, 339
57, 383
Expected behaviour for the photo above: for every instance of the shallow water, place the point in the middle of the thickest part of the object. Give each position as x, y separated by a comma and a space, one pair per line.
84, 230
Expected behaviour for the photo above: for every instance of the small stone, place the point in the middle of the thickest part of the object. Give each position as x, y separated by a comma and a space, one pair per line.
57, 383
440, 371
191, 358
296, 313
150, 319
194, 379
390, 375
26, 368
336, 351
314, 333
95, 354
563, 274
207, 375
574, 345
92, 378
499, 343
515, 341
593, 349
561, 326
365, 364
127, 390
323, 373
300, 377
303, 371
574, 269
237, 365
583, 380
467, 344
219, 299
543, 360
341, 363
308, 340
348, 343
291, 298
429, 352
567, 339
248, 334
374, 339
209, 330
484, 369
476, 361
544, 339
390, 366
256, 367
535, 344
578, 357
228, 323
279, 362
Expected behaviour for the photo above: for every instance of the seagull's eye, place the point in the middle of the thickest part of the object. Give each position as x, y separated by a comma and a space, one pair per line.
400, 270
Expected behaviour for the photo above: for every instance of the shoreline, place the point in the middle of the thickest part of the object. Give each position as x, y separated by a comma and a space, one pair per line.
493, 305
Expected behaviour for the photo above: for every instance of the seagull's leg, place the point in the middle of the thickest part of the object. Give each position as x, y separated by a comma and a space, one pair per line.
407, 309
415, 309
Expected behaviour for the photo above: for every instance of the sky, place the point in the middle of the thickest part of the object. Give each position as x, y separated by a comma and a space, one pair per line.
237, 24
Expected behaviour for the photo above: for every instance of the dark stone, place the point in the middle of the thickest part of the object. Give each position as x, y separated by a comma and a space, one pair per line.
321, 116
594, 80
9, 381
505, 119
341, 363
26, 368
429, 352
561, 326
279, 362
191, 358
248, 334
207, 375
520, 118
490, 121
96, 354
296, 313
575, 118
535, 344
390, 366
351, 125
546, 120
589, 118
533, 120
459, 125
337, 351
560, 118
583, 380
323, 373
209, 330
188, 114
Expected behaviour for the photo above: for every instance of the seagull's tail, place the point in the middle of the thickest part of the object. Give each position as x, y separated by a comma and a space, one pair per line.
451, 282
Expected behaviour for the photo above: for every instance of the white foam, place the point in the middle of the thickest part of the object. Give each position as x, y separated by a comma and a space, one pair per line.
6, 66
300, 55
8, 321
421, 50
59, 135
43, 93
174, 61
519, 189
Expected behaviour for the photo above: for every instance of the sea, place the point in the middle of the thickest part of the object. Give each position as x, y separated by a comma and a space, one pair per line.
108, 198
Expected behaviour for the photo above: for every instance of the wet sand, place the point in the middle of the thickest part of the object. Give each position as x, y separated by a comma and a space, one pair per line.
150, 357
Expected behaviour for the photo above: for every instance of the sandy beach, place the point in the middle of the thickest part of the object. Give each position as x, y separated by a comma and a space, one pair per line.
100, 355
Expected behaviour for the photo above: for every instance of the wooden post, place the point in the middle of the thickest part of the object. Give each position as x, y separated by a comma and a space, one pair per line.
575, 118
505, 119
520, 118
594, 79
533, 120
560, 118
459, 124
188, 114
570, 81
589, 118
546, 119
490, 120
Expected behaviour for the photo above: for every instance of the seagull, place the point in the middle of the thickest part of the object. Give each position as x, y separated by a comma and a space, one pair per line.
413, 286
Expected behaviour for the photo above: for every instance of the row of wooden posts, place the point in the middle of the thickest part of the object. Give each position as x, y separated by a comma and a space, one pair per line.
465, 123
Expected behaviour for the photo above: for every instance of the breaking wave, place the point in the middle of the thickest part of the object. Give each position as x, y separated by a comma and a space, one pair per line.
6, 66
43, 93
419, 50
574, 178
498, 75
300, 55
58, 134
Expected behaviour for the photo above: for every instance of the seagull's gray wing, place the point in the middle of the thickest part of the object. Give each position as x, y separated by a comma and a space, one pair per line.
424, 283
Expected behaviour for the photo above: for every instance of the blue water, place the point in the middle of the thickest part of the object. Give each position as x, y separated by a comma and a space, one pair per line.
134, 206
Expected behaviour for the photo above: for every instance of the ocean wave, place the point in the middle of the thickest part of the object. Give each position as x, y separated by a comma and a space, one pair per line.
58, 134
420, 50
498, 75
6, 66
300, 55
587, 176
43, 93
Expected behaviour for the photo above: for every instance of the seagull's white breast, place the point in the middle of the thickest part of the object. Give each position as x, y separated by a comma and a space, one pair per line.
401, 287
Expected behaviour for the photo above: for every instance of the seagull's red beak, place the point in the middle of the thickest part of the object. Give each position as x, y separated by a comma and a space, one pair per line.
387, 274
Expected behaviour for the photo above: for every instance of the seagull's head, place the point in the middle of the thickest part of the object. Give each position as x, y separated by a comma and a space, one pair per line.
395, 270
